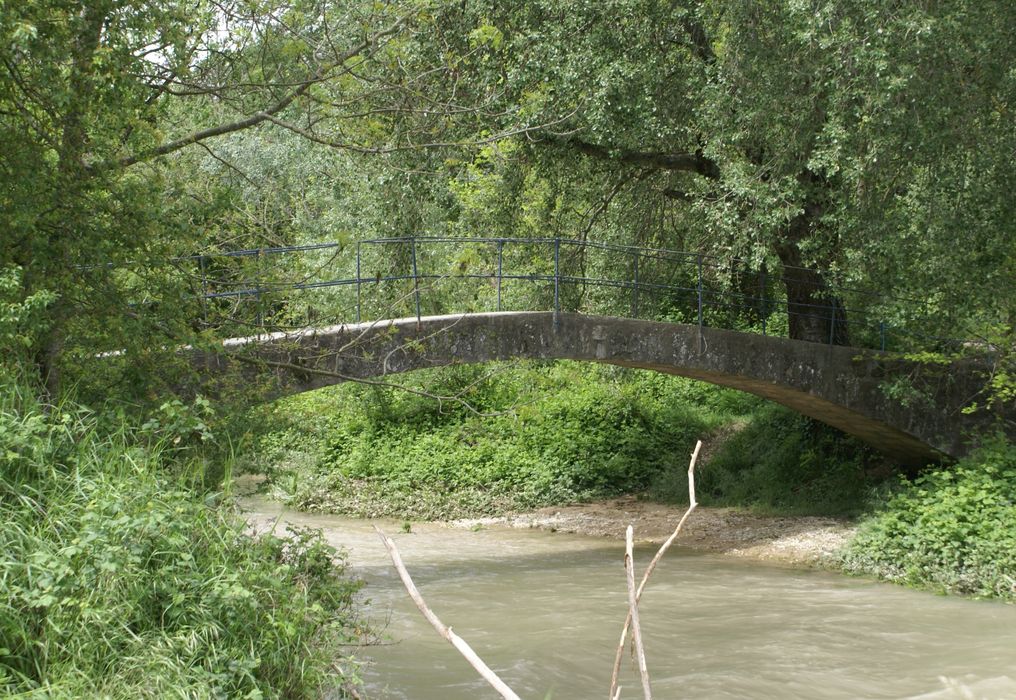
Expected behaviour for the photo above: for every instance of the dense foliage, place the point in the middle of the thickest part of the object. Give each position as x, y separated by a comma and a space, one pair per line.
951, 529
537, 435
533, 435
777, 461
807, 144
116, 581
850, 138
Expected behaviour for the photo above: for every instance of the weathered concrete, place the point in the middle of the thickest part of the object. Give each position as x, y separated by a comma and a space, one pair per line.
837, 385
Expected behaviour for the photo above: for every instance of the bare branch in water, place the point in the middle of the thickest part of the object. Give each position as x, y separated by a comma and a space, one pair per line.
633, 612
455, 640
692, 503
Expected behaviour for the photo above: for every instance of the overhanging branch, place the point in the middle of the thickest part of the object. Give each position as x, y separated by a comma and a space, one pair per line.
263, 115
695, 162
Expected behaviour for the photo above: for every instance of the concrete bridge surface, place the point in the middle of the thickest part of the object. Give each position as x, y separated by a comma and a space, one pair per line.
840, 386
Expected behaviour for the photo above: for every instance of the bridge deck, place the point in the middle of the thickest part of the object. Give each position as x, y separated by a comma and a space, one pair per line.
837, 385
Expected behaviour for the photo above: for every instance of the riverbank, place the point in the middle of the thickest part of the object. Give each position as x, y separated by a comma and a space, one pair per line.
798, 540
795, 540
535, 437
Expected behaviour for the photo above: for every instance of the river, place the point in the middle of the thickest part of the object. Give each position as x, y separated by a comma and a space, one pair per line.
544, 610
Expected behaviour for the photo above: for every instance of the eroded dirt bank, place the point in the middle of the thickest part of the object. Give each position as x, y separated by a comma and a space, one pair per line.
797, 540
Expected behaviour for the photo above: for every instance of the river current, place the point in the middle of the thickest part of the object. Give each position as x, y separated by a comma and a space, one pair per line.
544, 610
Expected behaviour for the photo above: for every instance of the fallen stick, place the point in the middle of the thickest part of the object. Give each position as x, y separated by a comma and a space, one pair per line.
692, 503
456, 641
633, 612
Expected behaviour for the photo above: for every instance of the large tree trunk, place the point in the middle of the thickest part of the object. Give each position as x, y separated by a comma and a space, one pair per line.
57, 266
816, 314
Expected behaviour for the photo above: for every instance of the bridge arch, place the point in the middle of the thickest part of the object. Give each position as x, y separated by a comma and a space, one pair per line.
837, 385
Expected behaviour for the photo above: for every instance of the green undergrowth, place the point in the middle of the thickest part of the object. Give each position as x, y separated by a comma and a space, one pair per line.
779, 462
118, 580
554, 433
952, 529
532, 435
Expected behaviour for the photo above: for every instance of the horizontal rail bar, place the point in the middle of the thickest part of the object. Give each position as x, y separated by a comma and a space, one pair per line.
670, 277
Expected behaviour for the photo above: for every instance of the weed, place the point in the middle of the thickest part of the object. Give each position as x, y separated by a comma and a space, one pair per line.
952, 528
117, 581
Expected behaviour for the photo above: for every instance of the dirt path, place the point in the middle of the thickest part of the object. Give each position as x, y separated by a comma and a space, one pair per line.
799, 540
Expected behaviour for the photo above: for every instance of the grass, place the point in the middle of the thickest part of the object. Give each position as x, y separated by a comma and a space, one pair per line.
118, 581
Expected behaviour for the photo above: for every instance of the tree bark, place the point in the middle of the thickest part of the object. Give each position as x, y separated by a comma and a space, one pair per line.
71, 182
815, 313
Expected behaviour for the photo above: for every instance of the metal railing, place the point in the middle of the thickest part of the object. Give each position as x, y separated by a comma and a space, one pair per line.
560, 274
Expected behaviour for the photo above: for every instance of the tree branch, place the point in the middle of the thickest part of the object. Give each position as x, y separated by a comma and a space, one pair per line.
699, 39
384, 150
633, 613
680, 195
695, 162
265, 114
604, 203
301, 369
455, 640
692, 504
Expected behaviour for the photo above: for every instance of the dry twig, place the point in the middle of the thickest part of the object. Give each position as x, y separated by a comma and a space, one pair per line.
633, 612
692, 504
455, 640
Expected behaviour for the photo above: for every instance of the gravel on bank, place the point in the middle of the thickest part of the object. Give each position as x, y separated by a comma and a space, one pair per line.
796, 540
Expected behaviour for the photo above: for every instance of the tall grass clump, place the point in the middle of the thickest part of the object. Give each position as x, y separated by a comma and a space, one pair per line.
118, 581
952, 529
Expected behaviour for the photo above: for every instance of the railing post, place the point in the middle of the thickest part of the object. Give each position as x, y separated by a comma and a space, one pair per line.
762, 284
557, 275
832, 322
500, 254
259, 319
204, 289
701, 340
557, 282
699, 287
416, 279
358, 281
881, 335
635, 289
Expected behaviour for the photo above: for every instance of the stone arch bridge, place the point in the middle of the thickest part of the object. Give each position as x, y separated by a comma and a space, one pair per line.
841, 386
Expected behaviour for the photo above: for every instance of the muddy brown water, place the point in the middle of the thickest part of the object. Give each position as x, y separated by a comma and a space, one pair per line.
544, 611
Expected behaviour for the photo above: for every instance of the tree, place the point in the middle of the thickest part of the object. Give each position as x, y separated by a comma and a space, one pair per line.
838, 142
830, 143
98, 99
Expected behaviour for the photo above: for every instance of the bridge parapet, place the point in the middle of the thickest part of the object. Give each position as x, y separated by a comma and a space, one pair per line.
323, 283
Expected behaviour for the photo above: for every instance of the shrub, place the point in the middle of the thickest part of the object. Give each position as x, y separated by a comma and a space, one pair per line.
574, 432
116, 582
953, 529
545, 434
